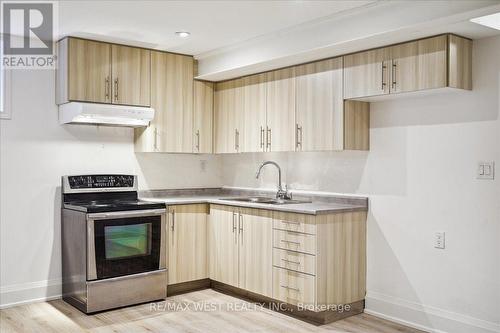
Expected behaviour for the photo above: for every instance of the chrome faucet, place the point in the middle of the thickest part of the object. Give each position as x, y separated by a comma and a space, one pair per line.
281, 194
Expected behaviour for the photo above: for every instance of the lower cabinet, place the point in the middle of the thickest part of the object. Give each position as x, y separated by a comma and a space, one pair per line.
314, 261
240, 240
187, 243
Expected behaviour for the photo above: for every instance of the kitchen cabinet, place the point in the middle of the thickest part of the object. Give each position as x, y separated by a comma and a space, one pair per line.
314, 260
319, 109
240, 245
223, 244
87, 68
172, 98
280, 109
319, 259
187, 243
228, 115
131, 75
203, 116
255, 134
366, 73
419, 65
429, 63
254, 248
98, 72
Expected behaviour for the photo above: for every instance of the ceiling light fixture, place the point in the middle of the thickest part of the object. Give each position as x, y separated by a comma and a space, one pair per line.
492, 21
183, 34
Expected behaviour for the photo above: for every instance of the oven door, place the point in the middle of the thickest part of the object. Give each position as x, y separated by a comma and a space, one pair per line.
125, 243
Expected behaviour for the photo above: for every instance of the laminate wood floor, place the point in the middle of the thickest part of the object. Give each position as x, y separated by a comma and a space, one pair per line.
201, 311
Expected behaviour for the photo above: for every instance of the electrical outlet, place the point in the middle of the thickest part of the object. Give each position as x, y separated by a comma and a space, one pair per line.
439, 240
486, 170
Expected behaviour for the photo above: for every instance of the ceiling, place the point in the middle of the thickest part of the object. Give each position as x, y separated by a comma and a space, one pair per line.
213, 24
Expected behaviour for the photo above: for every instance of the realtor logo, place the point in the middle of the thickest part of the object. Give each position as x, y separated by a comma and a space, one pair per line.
28, 30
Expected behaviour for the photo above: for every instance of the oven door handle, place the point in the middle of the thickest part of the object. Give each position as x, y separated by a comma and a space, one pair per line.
125, 214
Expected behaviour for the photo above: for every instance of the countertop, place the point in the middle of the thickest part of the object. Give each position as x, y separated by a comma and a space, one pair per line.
319, 204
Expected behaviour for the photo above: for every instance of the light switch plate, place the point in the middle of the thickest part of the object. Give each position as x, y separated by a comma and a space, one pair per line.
486, 170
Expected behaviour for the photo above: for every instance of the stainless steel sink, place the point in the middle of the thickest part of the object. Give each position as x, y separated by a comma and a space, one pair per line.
267, 200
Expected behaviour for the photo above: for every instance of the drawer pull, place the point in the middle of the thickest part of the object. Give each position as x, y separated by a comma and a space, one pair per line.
286, 241
291, 222
291, 261
290, 288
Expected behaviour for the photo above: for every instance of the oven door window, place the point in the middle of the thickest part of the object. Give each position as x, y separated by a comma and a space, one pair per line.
127, 246
125, 241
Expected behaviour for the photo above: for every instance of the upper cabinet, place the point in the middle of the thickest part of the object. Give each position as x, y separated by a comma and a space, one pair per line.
437, 62
203, 116
319, 110
255, 134
366, 73
280, 109
228, 114
98, 72
171, 130
88, 69
131, 73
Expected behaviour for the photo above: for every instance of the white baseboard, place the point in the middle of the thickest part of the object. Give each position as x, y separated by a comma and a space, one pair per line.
30, 292
425, 318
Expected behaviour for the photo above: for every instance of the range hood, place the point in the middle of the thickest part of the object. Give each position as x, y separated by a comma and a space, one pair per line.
105, 114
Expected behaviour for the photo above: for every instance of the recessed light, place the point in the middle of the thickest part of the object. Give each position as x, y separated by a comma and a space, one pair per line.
492, 21
183, 34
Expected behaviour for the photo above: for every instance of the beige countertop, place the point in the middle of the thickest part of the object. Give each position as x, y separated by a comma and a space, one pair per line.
318, 204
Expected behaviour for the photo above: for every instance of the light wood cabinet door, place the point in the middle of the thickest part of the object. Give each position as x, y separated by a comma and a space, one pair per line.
223, 244
228, 110
255, 251
131, 75
187, 243
254, 131
280, 86
178, 126
89, 71
367, 73
419, 65
319, 106
203, 116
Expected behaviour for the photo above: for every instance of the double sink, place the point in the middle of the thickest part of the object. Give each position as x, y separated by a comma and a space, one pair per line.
267, 200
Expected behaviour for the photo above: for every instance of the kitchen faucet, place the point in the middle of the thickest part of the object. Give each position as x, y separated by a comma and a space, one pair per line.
281, 194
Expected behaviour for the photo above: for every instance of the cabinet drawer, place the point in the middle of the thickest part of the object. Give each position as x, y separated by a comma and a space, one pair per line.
294, 241
295, 222
293, 287
296, 261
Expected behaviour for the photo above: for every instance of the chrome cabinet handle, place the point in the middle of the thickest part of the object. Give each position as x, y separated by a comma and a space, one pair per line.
298, 138
116, 89
236, 139
290, 288
173, 221
394, 67
383, 69
262, 137
198, 140
106, 87
292, 242
240, 223
234, 222
156, 139
291, 262
290, 222
269, 137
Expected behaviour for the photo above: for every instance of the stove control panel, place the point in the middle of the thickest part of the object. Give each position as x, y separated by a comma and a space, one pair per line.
101, 181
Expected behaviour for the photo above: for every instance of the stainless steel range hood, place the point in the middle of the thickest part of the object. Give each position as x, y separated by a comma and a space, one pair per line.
105, 114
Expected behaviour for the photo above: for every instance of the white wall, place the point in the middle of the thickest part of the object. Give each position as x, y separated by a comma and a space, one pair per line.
420, 177
35, 151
